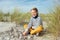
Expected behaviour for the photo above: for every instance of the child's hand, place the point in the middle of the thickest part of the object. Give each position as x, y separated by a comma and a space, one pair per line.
24, 33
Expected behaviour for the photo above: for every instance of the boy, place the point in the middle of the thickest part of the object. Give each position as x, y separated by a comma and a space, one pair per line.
35, 24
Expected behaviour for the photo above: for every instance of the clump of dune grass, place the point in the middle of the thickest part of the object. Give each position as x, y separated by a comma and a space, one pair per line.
54, 21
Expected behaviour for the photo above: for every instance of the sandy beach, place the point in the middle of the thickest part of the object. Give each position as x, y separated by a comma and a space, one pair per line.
9, 31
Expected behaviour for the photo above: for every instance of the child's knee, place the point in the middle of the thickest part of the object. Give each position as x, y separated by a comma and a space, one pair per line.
25, 26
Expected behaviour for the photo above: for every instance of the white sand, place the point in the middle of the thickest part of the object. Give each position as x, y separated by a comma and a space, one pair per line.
4, 26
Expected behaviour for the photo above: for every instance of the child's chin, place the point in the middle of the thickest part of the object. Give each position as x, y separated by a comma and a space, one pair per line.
33, 16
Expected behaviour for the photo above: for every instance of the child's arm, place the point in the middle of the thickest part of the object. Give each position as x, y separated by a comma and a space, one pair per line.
41, 23
29, 25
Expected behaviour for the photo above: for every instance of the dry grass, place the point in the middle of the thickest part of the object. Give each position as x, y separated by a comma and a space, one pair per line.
54, 21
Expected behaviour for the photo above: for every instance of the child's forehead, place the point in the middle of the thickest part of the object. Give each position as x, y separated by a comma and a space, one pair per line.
33, 10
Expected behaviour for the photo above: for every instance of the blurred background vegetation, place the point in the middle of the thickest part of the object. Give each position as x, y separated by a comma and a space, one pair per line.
52, 18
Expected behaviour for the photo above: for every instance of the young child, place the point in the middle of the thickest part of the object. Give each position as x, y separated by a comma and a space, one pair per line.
35, 25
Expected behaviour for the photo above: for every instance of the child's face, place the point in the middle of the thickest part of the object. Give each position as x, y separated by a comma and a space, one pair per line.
33, 13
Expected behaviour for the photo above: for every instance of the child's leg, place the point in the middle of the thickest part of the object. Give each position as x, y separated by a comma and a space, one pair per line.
25, 26
37, 30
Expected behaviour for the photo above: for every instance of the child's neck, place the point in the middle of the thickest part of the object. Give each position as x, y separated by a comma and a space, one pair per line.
35, 17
